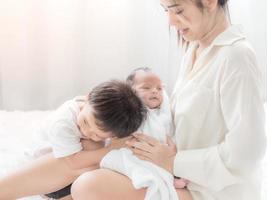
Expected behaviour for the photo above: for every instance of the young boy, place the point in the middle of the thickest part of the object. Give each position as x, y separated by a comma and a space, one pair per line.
158, 122
76, 133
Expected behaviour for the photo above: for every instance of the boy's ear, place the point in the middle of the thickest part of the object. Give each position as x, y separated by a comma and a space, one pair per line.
210, 5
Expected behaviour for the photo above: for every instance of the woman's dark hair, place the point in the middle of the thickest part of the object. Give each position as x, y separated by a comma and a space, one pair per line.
222, 2
117, 108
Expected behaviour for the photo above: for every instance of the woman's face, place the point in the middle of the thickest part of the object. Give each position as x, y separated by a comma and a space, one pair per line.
187, 18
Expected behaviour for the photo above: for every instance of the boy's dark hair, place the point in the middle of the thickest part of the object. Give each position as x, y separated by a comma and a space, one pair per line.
117, 108
130, 78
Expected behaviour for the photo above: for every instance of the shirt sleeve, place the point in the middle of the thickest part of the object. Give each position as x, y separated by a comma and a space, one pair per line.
63, 139
244, 144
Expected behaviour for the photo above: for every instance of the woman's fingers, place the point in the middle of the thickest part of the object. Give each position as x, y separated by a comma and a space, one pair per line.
145, 138
171, 143
144, 155
133, 139
139, 145
143, 158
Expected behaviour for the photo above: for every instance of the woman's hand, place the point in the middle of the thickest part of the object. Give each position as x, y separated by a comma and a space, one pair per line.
150, 149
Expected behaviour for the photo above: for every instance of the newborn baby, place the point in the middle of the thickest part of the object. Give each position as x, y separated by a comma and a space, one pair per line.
149, 88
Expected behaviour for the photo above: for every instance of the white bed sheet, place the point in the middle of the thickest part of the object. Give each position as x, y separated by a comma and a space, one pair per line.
16, 134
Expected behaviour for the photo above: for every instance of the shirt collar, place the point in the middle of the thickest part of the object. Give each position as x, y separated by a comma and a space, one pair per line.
229, 36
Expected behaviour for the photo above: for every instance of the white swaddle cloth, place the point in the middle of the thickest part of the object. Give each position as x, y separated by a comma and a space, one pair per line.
144, 174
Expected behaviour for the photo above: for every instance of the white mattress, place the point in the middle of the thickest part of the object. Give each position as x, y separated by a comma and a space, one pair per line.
16, 134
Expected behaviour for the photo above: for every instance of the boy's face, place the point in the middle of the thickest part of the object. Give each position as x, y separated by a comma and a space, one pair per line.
149, 88
87, 124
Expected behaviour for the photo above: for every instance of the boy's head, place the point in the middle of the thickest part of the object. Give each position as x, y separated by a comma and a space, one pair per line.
148, 86
113, 109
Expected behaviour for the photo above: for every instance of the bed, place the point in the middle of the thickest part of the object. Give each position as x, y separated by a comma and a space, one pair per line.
16, 135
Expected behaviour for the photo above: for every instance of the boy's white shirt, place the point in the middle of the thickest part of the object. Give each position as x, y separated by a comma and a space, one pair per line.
60, 132
144, 174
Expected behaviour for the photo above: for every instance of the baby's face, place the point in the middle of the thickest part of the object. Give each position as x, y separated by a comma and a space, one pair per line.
149, 88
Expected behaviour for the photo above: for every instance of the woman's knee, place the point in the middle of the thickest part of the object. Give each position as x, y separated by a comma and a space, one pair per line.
85, 187
104, 184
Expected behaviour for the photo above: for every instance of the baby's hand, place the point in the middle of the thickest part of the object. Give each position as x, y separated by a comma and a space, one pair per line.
117, 143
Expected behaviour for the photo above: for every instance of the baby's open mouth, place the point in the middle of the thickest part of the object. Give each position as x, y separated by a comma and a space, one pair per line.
153, 98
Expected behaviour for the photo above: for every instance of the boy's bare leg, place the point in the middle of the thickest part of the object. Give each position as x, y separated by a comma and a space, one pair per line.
44, 175
88, 145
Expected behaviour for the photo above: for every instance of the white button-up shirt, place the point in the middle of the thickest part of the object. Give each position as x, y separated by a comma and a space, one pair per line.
219, 120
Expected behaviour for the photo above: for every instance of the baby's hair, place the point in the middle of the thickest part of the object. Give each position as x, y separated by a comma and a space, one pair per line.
130, 78
116, 108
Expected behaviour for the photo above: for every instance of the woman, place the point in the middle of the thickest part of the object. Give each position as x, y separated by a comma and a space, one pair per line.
217, 110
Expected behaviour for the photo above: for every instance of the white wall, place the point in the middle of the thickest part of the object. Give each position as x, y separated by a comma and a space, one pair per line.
53, 50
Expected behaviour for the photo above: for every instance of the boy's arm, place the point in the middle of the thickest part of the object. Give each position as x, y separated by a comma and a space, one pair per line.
86, 158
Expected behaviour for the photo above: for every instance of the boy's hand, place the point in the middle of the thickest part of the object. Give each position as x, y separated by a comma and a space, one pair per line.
117, 143
90, 145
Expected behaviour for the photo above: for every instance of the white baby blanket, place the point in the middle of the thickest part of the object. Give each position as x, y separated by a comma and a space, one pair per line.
144, 174
159, 182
